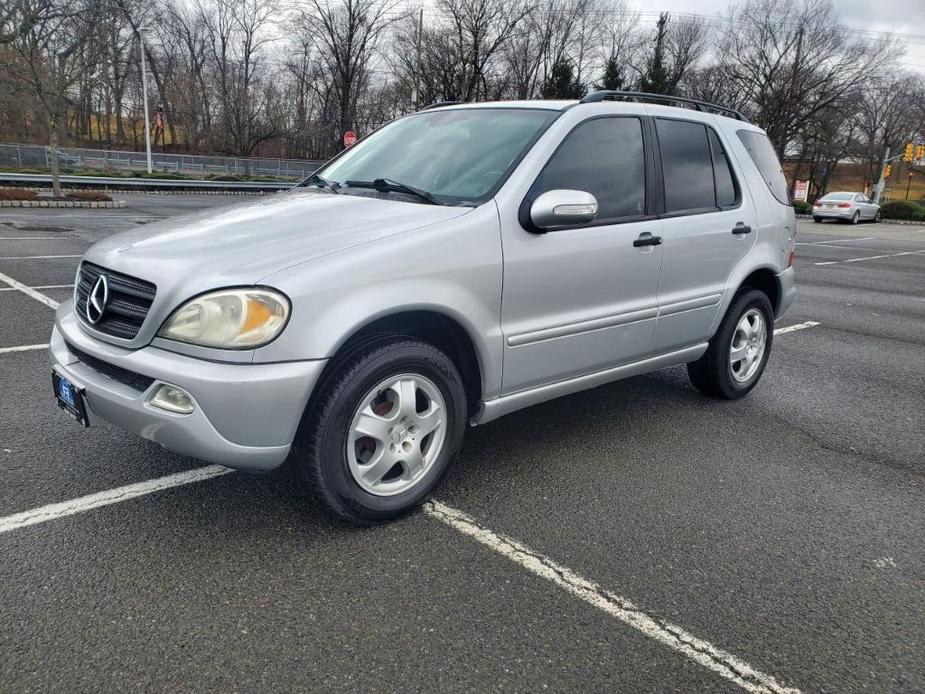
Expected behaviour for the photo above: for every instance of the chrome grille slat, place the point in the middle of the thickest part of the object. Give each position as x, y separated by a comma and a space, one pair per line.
130, 300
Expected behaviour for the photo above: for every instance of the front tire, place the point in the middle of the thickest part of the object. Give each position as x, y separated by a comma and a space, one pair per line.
739, 351
384, 430
817, 220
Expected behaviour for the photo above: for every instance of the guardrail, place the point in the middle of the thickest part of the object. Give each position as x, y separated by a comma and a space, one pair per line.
142, 183
38, 157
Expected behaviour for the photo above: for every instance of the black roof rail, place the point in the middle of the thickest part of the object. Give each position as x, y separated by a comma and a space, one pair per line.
439, 104
704, 106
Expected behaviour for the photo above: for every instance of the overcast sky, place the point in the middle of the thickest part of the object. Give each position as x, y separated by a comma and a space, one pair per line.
897, 16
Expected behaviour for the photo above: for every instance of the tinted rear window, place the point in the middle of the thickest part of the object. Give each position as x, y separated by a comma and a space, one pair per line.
687, 165
839, 196
765, 158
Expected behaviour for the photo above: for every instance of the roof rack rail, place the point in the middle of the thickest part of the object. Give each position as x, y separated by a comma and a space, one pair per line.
439, 104
704, 106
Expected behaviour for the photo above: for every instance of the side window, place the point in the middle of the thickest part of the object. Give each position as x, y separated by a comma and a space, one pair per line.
722, 173
687, 165
603, 157
765, 158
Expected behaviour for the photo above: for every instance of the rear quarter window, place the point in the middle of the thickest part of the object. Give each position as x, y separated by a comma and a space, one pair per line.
762, 153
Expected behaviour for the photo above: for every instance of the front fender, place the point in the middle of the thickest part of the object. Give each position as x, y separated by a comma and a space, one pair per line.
454, 268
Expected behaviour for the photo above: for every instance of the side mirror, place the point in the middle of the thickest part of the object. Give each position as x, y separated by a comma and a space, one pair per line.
563, 208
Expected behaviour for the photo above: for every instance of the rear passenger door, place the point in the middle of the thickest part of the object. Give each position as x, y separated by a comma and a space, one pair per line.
706, 229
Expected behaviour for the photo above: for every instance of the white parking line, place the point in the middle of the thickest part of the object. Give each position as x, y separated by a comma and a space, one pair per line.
108, 497
674, 637
823, 243
29, 291
40, 286
37, 257
798, 326
22, 348
870, 257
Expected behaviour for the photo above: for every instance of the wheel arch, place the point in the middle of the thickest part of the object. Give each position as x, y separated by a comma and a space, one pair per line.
766, 280
442, 330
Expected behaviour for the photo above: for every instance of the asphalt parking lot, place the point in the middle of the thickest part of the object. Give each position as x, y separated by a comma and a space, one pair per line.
634, 538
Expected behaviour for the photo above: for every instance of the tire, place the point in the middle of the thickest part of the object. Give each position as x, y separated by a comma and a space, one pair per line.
877, 217
334, 457
856, 217
817, 220
715, 374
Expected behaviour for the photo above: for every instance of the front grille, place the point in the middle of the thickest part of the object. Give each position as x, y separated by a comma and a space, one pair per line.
116, 373
130, 300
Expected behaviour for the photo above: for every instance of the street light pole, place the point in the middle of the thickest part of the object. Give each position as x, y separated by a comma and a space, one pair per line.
144, 92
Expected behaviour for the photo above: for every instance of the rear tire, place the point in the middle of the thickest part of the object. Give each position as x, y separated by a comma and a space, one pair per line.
856, 217
746, 331
877, 217
376, 406
817, 220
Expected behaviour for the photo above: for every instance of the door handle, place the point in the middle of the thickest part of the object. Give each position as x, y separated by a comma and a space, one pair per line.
741, 229
646, 239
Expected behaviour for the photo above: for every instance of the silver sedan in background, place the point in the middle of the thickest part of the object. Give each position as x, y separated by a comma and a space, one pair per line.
846, 207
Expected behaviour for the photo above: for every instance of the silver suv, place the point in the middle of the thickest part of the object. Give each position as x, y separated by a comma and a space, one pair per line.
458, 264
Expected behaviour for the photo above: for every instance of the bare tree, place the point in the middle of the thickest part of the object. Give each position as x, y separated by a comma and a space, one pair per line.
792, 60
44, 57
347, 33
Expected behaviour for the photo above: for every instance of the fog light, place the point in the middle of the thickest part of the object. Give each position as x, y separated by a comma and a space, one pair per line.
172, 399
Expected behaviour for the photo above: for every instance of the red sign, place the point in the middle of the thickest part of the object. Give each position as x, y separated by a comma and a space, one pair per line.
350, 138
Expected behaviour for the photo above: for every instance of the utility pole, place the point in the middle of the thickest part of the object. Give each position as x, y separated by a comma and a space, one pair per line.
144, 92
878, 191
417, 66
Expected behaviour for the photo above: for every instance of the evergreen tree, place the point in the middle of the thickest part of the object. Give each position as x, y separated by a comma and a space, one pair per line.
613, 75
561, 83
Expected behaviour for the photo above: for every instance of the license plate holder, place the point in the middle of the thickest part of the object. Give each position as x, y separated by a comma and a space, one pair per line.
70, 398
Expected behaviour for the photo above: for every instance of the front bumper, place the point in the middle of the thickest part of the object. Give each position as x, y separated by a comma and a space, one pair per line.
245, 415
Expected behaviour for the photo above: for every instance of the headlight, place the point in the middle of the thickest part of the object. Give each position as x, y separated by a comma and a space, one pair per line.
229, 319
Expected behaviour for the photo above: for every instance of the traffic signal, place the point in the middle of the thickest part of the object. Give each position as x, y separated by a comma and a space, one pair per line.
887, 170
908, 151
920, 152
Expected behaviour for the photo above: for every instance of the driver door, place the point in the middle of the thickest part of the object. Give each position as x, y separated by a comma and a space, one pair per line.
583, 299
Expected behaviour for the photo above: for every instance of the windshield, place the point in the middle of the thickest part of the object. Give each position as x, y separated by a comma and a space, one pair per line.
458, 155
839, 196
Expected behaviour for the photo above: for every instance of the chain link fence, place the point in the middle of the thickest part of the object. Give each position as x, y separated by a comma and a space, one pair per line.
38, 157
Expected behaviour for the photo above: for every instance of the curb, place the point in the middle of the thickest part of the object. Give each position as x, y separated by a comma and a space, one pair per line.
912, 222
59, 204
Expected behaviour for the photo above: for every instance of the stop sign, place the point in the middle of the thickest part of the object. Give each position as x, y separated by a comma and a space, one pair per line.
350, 138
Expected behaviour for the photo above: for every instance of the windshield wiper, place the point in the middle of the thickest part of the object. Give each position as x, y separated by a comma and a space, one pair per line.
331, 186
390, 186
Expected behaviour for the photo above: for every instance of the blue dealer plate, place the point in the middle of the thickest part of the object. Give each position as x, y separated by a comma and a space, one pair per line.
69, 398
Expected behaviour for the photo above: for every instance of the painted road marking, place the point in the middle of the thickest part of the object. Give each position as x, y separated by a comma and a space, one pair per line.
29, 238
822, 243
870, 257
674, 637
108, 497
41, 286
38, 257
794, 328
29, 291
22, 348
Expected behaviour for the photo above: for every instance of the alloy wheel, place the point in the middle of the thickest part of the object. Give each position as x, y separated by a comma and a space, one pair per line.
748, 344
396, 434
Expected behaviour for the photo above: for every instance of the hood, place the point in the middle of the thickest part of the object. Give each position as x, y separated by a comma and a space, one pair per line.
245, 242
241, 244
